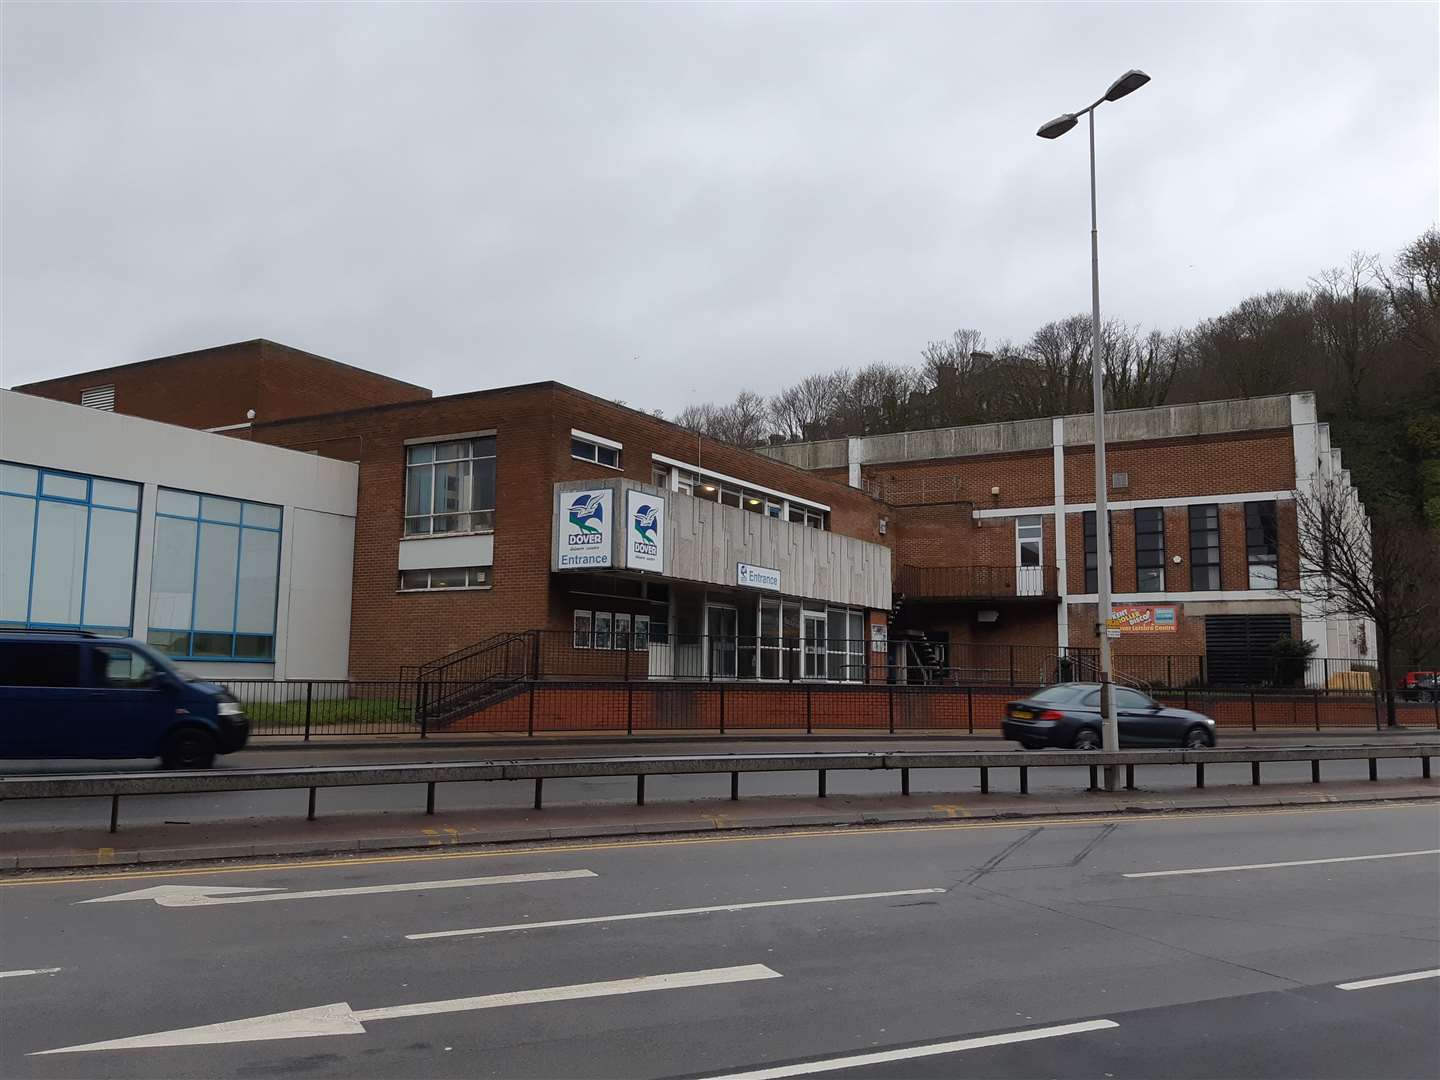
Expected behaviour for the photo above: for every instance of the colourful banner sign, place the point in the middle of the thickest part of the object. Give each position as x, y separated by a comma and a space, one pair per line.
1144, 618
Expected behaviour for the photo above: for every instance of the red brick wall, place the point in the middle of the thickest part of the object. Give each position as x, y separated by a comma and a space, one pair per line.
1024, 479
1187, 468
216, 387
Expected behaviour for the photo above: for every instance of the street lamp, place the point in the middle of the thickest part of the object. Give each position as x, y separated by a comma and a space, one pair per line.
1110, 732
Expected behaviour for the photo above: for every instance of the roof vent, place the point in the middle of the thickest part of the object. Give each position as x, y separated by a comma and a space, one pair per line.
99, 397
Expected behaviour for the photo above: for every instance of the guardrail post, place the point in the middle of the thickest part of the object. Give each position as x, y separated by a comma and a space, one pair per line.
1169, 672
722, 708
1012, 665
1317, 710
1255, 773
1094, 779
970, 708
809, 713
734, 787
530, 709
1129, 777
539, 790
1252, 709
640, 790
1377, 710
1024, 779
625, 663
430, 797
1424, 768
629, 709
1435, 697
1373, 774
1200, 774
984, 780
890, 707
310, 809
1315, 771
822, 784
905, 778
309, 691
424, 708
115, 811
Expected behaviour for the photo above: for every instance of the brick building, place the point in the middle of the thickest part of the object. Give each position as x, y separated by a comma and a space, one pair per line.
636, 546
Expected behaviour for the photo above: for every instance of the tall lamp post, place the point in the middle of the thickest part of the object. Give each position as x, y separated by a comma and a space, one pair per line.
1110, 732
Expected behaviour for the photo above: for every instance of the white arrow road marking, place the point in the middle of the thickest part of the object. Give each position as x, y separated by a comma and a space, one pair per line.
1389, 980
208, 895
27, 971
340, 1019
1277, 865
667, 914
856, 1061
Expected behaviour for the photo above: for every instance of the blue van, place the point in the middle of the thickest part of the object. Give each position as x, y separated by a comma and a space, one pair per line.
73, 694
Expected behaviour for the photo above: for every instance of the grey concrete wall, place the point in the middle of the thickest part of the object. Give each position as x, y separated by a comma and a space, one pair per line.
1177, 421
829, 454
705, 541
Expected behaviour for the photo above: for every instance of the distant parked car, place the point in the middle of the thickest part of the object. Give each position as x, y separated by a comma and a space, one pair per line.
1068, 715
1420, 686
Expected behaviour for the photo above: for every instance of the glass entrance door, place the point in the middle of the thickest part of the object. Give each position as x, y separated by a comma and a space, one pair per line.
720, 641
1029, 543
812, 625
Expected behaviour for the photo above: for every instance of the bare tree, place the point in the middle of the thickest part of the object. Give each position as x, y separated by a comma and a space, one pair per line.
1353, 329
1413, 287
806, 410
1355, 568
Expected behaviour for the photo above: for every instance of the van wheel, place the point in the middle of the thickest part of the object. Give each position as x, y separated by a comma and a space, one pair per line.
188, 748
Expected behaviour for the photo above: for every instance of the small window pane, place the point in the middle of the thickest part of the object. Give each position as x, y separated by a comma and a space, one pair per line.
110, 570
602, 630
417, 526
18, 479
213, 645
607, 455
480, 575
640, 638
255, 647
17, 529
581, 449
170, 642
213, 509
448, 451
261, 516
114, 493
484, 446
63, 487
59, 564
172, 574
259, 574
215, 578
177, 502
449, 579
414, 579
582, 630
423, 453
418, 481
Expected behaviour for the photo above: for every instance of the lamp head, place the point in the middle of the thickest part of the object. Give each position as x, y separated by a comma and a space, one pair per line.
1128, 83
1057, 127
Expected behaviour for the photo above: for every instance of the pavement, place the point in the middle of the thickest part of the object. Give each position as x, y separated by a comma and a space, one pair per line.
178, 828
1296, 942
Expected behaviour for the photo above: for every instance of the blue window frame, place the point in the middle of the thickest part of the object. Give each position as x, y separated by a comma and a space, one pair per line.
214, 578
67, 549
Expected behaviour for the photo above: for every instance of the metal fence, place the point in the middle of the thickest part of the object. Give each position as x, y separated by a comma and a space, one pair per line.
313, 710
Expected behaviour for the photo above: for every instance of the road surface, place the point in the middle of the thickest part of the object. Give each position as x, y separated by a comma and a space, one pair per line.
1283, 943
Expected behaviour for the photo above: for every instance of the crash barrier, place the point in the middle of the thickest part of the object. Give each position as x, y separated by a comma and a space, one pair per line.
314, 709
118, 785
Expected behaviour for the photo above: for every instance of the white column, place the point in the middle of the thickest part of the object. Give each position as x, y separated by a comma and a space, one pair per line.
282, 592
1062, 578
853, 459
1305, 439
144, 563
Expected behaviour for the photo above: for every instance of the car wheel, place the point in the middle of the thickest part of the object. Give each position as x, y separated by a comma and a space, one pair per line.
188, 748
1086, 738
1197, 738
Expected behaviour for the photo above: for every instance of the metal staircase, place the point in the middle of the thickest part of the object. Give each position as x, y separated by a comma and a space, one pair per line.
474, 678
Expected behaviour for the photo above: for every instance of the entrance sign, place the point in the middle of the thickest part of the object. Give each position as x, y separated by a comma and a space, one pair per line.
757, 577
644, 531
1143, 619
585, 529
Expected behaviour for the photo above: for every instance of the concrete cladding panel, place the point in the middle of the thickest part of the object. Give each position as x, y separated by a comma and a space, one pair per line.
705, 542
1176, 421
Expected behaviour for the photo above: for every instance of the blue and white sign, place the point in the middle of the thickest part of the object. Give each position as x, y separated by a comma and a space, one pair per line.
757, 577
586, 528
644, 531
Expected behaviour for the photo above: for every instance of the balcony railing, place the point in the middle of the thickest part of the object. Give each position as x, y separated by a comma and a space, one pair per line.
977, 582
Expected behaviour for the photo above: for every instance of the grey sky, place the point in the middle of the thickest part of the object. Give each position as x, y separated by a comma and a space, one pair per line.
665, 203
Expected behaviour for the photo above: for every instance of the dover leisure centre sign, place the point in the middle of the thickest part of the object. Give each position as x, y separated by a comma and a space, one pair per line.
586, 521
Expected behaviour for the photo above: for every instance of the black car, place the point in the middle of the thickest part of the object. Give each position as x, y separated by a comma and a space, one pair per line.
1068, 715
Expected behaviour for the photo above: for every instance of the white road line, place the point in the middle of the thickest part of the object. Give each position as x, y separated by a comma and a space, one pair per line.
1389, 980
1278, 865
667, 914
856, 1061
209, 895
340, 1019
27, 971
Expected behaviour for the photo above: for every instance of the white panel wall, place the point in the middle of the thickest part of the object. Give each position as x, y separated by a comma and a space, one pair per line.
317, 630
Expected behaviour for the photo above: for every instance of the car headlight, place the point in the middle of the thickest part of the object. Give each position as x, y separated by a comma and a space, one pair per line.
230, 708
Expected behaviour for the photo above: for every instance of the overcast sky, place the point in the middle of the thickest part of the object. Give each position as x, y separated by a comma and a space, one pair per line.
665, 203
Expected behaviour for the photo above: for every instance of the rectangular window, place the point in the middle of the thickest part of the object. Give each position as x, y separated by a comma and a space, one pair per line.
1092, 558
450, 487
582, 630
67, 549
660, 476
640, 639
622, 630
457, 577
587, 447
214, 577
1150, 549
40, 663
1205, 547
1262, 545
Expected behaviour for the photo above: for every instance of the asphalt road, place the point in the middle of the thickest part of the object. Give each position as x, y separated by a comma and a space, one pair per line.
404, 799
998, 949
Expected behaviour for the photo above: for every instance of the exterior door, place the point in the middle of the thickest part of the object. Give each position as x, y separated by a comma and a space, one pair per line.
720, 643
812, 626
1029, 544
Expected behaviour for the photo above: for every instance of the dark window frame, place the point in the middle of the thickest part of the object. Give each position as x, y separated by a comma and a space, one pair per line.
1149, 556
1088, 528
1205, 554
1262, 541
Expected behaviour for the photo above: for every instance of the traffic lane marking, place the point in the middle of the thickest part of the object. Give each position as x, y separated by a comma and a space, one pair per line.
1282, 865
29, 971
954, 1046
210, 895
340, 1019
794, 901
818, 832
1389, 980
